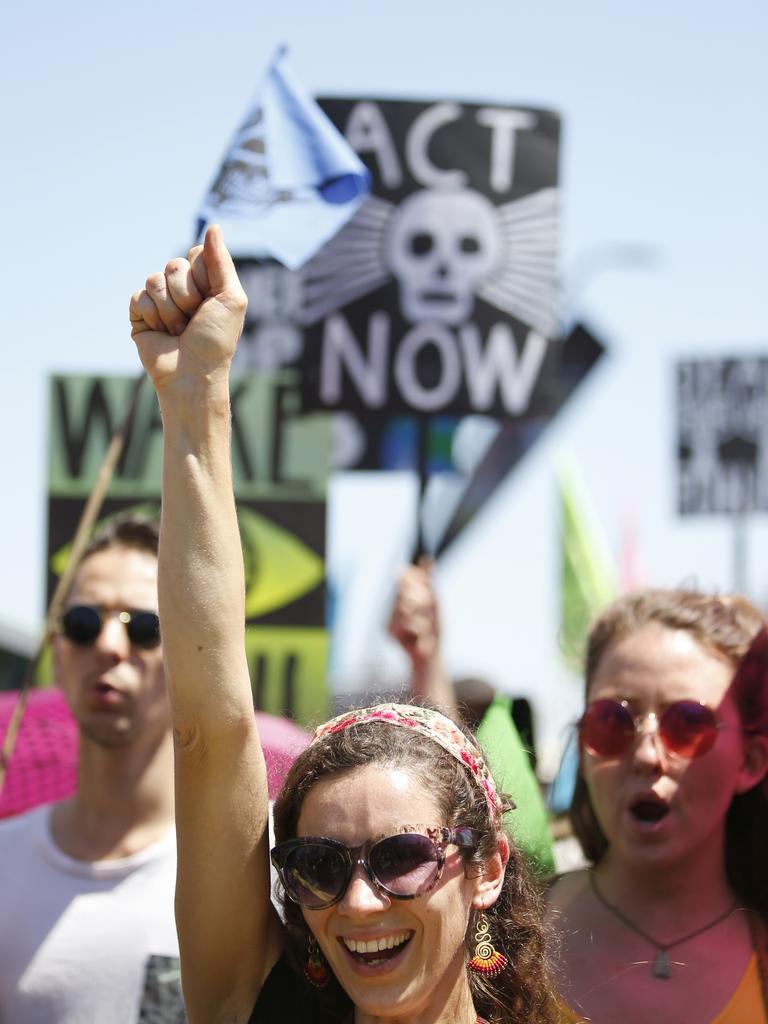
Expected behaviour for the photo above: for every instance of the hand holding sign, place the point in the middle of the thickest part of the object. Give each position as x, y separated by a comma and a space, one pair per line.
415, 624
187, 319
414, 621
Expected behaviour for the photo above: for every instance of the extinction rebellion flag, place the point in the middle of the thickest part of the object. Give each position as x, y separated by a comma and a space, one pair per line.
289, 180
439, 295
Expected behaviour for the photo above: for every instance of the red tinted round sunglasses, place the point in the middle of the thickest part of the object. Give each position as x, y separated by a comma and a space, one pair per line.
687, 728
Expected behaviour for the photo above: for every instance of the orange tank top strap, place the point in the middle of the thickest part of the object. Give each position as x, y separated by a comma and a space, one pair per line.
759, 930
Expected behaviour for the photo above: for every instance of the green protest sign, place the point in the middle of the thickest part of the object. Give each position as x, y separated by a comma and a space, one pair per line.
280, 464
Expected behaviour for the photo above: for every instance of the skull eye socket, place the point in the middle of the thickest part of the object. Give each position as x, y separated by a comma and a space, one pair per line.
469, 244
420, 243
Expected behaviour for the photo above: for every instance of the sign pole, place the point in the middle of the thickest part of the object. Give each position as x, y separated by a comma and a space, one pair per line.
422, 469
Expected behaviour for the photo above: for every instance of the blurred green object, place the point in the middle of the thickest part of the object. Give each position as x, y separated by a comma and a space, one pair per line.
588, 580
511, 768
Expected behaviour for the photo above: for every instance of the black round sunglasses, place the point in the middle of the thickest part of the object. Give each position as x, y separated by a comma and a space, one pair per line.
82, 623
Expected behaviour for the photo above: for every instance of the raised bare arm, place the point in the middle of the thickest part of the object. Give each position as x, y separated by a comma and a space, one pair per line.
186, 323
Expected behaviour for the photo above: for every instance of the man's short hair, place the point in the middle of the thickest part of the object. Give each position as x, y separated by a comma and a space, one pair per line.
141, 533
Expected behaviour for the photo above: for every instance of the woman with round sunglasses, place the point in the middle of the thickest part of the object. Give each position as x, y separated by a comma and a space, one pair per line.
402, 898
671, 808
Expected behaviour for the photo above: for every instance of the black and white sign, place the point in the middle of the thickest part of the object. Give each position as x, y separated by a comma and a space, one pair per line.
722, 436
439, 296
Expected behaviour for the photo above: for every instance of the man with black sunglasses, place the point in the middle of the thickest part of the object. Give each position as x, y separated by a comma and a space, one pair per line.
88, 931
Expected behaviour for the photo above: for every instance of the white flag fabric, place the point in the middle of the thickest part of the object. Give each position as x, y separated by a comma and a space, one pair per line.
289, 181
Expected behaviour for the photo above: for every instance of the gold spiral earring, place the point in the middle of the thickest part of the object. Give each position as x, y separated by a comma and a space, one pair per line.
487, 960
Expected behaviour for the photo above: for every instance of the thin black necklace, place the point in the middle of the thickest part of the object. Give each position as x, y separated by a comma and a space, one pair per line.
662, 966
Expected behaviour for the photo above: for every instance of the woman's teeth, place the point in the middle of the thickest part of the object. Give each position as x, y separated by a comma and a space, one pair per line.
375, 945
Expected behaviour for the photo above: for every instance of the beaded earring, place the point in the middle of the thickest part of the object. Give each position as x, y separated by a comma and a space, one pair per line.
314, 970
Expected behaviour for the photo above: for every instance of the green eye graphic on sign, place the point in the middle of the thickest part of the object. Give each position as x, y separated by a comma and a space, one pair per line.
279, 567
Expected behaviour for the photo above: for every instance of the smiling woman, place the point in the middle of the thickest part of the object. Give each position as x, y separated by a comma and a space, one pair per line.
671, 807
400, 933
403, 898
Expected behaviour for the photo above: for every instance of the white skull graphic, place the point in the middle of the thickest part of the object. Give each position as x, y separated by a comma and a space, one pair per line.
440, 247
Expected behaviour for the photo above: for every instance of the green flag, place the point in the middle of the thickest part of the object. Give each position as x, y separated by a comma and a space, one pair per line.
587, 577
514, 776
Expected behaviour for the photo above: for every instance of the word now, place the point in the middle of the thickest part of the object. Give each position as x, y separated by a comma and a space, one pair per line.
494, 374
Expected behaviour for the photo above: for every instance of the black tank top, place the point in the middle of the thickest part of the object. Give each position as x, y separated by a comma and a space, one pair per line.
287, 997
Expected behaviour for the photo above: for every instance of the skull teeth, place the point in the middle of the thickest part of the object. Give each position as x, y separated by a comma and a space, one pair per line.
374, 945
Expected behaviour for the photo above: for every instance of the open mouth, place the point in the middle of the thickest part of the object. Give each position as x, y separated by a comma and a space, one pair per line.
648, 811
377, 951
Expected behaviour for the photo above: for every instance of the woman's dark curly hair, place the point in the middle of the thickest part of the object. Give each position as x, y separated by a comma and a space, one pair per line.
732, 628
522, 993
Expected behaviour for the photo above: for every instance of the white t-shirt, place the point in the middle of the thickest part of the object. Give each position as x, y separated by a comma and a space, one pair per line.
85, 943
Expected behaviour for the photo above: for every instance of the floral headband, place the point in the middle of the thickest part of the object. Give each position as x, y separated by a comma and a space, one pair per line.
436, 727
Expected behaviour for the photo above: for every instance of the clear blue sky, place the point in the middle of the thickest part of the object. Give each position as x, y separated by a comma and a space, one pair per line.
114, 119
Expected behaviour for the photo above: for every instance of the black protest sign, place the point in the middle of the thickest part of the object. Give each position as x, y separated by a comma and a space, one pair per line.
722, 439
571, 362
439, 296
280, 461
273, 336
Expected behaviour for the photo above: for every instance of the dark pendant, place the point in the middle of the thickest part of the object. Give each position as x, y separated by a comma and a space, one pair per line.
661, 965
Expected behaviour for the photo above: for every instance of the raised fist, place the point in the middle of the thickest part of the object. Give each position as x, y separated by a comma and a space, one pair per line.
187, 318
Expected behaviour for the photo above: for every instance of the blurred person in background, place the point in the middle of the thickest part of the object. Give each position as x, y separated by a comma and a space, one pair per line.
670, 806
87, 929
415, 623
